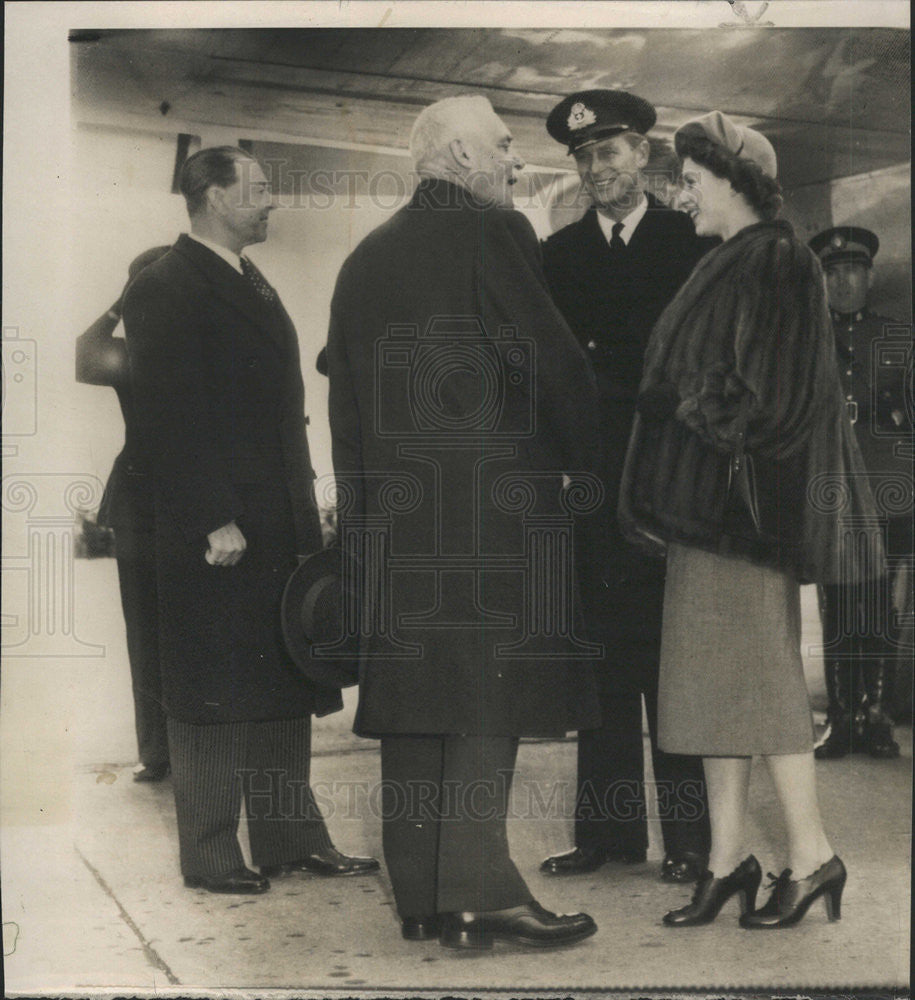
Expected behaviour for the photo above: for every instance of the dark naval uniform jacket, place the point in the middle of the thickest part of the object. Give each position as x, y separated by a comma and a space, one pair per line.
611, 300
220, 407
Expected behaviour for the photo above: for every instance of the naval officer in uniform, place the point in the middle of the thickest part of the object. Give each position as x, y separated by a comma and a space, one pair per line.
611, 274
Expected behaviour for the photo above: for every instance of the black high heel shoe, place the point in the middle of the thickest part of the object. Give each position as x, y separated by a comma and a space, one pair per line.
791, 898
712, 893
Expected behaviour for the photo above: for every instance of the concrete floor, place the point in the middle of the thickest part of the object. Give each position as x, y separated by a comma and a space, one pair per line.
93, 903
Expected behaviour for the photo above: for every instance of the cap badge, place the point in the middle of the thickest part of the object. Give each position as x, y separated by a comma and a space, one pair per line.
838, 241
580, 116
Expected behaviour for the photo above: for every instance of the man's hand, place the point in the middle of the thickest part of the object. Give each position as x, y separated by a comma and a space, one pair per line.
227, 545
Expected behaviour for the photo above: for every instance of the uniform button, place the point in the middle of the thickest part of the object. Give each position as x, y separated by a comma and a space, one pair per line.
592, 345
252, 362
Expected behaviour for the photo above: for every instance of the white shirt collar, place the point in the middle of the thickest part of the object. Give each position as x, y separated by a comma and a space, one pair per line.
629, 222
232, 259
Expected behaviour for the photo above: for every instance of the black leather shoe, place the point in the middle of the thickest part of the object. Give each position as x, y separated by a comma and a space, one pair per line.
687, 866
240, 880
152, 772
791, 898
879, 741
834, 747
421, 928
327, 861
712, 893
528, 924
581, 860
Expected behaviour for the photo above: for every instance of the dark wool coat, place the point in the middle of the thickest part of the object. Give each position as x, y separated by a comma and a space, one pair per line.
220, 409
127, 503
611, 300
457, 398
874, 354
742, 444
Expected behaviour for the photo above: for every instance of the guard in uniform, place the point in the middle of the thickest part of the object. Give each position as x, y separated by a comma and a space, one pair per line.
612, 273
860, 626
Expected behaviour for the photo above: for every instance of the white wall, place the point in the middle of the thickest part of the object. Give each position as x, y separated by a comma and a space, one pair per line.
122, 205
879, 201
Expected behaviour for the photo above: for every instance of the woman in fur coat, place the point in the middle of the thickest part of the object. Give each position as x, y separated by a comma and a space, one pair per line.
743, 465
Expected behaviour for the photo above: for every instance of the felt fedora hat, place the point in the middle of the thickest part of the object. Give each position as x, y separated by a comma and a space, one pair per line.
312, 615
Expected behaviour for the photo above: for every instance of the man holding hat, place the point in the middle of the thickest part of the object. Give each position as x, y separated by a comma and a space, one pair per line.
859, 651
611, 274
220, 417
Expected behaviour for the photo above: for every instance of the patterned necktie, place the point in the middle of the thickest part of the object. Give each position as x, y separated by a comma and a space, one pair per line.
616, 241
258, 281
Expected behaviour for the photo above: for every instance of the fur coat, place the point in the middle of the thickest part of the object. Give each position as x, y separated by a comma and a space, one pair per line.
742, 444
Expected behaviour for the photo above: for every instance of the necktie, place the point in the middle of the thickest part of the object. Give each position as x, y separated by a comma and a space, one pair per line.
258, 281
616, 241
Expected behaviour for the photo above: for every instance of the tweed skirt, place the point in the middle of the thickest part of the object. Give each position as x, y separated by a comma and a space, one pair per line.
731, 680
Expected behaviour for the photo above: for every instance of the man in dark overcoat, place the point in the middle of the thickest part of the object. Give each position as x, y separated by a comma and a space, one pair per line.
611, 274
458, 400
217, 383
127, 509
861, 643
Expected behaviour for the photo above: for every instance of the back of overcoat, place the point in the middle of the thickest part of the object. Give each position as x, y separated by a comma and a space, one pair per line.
220, 411
458, 397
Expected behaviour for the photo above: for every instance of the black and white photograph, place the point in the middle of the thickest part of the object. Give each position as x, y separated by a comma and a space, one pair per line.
457, 499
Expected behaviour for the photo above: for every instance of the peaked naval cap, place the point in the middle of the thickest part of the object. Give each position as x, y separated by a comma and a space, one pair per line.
589, 115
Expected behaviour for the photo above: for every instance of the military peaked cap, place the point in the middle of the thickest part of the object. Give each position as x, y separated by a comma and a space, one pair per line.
590, 115
845, 243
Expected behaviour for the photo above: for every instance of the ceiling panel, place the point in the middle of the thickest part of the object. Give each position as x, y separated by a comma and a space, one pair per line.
834, 101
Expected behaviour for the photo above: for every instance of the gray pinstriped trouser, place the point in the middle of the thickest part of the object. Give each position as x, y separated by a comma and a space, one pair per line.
265, 764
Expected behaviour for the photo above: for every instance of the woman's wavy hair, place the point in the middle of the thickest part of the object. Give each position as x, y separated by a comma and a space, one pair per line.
763, 193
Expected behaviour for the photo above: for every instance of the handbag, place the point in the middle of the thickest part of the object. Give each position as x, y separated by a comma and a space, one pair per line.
742, 472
